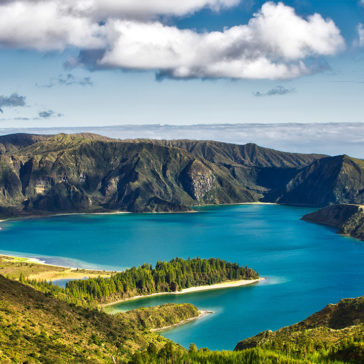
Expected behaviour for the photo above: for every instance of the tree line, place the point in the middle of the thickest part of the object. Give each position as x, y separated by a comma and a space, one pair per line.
170, 276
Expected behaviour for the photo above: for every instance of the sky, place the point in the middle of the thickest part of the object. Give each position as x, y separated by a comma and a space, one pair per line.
79, 63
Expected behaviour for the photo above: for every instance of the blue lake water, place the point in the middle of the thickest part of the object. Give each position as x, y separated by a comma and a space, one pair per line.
307, 266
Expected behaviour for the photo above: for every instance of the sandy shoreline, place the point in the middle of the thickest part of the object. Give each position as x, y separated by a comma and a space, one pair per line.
202, 314
229, 284
57, 272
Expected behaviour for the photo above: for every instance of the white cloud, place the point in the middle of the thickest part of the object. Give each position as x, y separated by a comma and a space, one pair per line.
273, 45
102, 9
56, 24
129, 9
46, 26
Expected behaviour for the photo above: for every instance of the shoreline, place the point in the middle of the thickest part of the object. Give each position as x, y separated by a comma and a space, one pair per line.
239, 203
40, 216
32, 260
117, 212
202, 314
222, 285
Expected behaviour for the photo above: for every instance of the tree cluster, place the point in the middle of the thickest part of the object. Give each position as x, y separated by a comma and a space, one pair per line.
164, 277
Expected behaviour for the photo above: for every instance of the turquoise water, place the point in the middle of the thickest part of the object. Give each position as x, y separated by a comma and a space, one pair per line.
307, 266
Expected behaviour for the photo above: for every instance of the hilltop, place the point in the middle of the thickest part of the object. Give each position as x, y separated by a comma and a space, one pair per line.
90, 173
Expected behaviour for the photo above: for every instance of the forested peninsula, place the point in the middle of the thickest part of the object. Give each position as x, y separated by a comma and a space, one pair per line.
166, 277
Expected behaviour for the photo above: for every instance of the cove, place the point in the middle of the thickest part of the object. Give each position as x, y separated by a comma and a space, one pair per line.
307, 266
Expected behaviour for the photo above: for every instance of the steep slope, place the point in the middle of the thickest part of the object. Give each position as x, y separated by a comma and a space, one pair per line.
249, 155
249, 164
348, 219
88, 172
326, 181
338, 327
91, 173
38, 328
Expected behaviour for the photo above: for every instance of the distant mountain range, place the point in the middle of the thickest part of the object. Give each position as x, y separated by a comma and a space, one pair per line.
87, 173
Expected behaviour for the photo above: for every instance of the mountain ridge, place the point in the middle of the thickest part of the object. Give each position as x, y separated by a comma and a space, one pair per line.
92, 173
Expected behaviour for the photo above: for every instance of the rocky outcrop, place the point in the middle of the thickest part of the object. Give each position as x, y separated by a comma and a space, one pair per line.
348, 219
198, 180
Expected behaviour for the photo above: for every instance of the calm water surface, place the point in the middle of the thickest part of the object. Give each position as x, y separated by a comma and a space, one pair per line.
306, 265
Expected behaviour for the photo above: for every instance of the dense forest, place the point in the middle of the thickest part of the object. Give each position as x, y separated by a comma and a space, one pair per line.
164, 277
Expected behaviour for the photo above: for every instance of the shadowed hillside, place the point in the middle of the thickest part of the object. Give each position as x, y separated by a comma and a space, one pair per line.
88, 173
348, 219
329, 180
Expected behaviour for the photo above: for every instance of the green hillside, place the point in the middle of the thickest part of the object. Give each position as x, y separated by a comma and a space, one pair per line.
347, 219
35, 327
88, 173
334, 333
38, 328
331, 180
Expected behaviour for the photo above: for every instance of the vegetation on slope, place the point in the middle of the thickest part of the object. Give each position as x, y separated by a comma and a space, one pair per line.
333, 335
331, 180
164, 277
348, 219
248, 155
37, 328
86, 172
